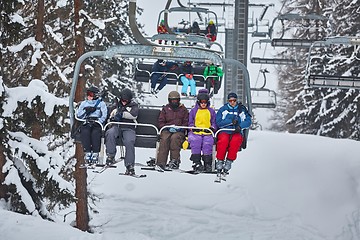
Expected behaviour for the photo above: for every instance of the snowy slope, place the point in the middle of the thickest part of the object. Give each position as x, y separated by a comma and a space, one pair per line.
284, 186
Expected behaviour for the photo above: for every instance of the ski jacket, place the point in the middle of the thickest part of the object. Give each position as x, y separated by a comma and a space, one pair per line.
187, 70
202, 118
129, 113
169, 116
168, 67
213, 70
161, 29
194, 28
227, 114
211, 29
100, 113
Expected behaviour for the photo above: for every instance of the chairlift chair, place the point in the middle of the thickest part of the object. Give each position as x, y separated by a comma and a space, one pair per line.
327, 80
260, 22
264, 101
189, 10
286, 42
266, 60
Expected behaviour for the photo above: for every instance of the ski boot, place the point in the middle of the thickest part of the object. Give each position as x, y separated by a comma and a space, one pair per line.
227, 166
95, 158
110, 160
207, 159
197, 165
174, 164
219, 167
130, 170
88, 157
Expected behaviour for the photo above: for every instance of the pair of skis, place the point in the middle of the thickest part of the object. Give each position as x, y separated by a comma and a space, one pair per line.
107, 166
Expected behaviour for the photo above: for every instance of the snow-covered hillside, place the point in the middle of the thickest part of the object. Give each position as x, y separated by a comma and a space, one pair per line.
283, 186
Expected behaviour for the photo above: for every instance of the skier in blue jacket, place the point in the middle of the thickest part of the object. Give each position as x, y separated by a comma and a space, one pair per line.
92, 110
234, 117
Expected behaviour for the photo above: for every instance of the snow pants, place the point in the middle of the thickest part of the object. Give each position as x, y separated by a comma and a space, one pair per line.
186, 83
228, 143
169, 142
155, 77
201, 143
91, 137
128, 137
211, 82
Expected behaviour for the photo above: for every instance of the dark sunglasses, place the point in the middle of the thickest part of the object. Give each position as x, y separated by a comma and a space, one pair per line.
232, 100
175, 100
203, 101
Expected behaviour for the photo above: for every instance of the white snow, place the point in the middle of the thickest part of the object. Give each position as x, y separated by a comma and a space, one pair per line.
283, 186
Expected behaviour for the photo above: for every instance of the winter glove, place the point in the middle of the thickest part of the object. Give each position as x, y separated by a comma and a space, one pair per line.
118, 116
89, 110
237, 129
173, 130
188, 76
235, 121
209, 130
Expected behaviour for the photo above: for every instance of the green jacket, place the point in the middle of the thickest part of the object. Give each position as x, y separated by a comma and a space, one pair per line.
213, 70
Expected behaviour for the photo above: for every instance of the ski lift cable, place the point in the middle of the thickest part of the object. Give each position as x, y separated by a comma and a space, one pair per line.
260, 67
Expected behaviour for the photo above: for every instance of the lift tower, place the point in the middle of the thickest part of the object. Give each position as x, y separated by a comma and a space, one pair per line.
236, 42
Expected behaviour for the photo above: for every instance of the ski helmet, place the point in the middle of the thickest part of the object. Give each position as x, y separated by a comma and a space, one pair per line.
126, 94
203, 94
174, 95
93, 92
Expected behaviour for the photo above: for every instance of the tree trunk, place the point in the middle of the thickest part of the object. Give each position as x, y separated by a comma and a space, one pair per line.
37, 72
82, 214
3, 187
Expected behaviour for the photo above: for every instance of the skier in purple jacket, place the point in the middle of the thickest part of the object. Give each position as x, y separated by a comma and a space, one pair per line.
201, 140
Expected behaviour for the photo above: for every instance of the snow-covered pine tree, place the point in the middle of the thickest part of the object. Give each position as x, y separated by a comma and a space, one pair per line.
291, 77
39, 168
333, 112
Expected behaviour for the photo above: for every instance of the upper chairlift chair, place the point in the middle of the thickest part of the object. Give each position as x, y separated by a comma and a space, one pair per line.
263, 97
186, 38
296, 18
327, 80
269, 60
259, 25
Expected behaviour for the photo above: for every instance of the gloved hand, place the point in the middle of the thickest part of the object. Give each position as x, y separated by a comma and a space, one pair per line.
235, 121
208, 131
173, 130
118, 116
89, 110
189, 76
237, 129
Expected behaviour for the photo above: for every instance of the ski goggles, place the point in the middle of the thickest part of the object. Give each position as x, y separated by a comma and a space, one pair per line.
90, 94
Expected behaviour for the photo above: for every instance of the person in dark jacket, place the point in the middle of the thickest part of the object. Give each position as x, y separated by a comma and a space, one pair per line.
234, 117
211, 31
93, 110
159, 72
187, 79
194, 29
201, 140
172, 115
127, 112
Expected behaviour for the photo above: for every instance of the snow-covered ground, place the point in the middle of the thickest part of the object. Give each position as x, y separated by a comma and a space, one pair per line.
283, 186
